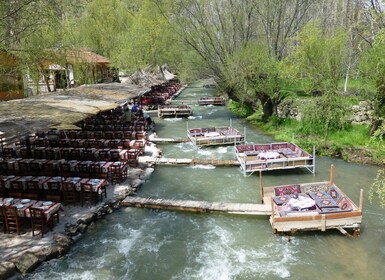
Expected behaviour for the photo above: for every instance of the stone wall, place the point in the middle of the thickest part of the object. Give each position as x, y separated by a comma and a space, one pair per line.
360, 114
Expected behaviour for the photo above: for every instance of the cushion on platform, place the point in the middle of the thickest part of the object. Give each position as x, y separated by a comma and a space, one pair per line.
287, 190
320, 194
279, 200
314, 188
278, 146
335, 194
326, 203
345, 204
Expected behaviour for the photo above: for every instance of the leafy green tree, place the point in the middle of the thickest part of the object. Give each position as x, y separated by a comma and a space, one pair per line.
318, 61
255, 75
372, 66
377, 190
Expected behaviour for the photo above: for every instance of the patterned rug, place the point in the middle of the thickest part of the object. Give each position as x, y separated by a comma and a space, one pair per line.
279, 200
319, 195
287, 190
334, 193
326, 203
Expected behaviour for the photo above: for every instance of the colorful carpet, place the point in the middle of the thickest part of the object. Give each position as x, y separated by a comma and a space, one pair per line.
319, 195
335, 194
279, 200
326, 203
287, 190
314, 188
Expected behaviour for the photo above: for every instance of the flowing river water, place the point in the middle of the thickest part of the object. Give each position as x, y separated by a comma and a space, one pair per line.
154, 244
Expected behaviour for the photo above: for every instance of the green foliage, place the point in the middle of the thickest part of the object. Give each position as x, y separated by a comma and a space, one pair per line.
240, 109
377, 190
372, 66
317, 58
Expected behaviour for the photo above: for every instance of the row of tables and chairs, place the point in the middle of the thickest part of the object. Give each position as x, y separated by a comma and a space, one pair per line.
69, 190
110, 170
16, 213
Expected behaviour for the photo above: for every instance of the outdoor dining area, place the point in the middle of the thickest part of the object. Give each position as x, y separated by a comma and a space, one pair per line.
18, 214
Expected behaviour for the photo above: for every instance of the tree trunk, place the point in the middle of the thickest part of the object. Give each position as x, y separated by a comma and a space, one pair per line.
267, 107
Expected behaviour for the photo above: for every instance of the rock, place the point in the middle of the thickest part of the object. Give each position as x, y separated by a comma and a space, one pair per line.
355, 108
91, 226
363, 103
82, 228
7, 269
27, 262
71, 230
87, 218
45, 253
62, 240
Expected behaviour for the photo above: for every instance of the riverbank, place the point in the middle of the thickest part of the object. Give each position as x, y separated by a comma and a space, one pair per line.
353, 144
24, 253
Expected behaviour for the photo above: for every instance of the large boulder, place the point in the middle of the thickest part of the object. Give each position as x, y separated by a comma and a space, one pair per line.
27, 262
7, 269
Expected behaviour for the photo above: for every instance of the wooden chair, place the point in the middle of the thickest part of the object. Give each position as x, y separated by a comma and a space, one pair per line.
54, 191
50, 153
39, 221
2, 220
65, 169
35, 167
33, 190
13, 222
87, 195
116, 174
4, 167
114, 155
69, 193
3, 189
23, 167
17, 189
96, 170
84, 170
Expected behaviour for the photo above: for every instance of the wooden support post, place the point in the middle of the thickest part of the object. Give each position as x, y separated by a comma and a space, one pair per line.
272, 211
323, 223
331, 182
361, 199
260, 185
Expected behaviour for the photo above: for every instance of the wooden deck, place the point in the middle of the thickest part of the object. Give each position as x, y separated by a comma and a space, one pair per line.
198, 206
189, 161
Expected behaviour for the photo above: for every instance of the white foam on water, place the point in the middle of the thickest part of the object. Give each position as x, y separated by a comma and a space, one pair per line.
204, 152
220, 257
173, 119
194, 117
201, 166
222, 150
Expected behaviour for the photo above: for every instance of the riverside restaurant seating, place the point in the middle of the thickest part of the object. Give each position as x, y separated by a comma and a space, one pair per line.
16, 212
50, 188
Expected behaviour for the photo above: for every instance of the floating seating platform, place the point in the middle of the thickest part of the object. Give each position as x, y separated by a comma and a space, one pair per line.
217, 101
215, 136
312, 206
174, 111
198, 206
273, 156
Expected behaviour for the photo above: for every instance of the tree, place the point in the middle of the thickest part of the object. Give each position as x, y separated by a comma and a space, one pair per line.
318, 61
372, 66
255, 75
377, 190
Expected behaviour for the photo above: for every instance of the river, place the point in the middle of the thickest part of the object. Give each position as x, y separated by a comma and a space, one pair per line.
154, 244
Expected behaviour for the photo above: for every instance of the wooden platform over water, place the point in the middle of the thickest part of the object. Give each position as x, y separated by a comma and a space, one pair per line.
189, 161
198, 206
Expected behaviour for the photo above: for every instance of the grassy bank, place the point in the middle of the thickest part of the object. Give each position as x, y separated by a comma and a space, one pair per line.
351, 144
